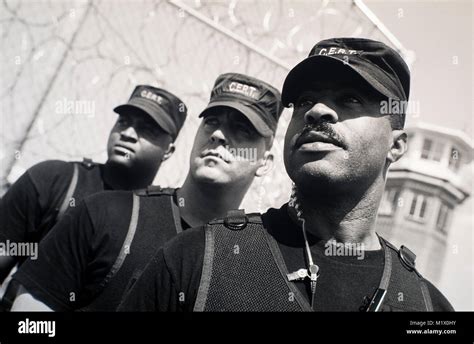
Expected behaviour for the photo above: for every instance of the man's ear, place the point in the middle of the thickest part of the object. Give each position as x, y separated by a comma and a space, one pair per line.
169, 151
399, 145
266, 166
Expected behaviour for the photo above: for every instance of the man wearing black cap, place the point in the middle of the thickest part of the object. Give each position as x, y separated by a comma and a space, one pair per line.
98, 250
141, 139
320, 251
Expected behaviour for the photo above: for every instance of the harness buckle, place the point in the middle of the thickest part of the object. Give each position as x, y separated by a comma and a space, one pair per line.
407, 257
87, 163
236, 219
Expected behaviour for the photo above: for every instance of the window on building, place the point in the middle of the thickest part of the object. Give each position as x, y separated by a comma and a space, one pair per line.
427, 144
389, 201
419, 206
432, 150
443, 216
455, 159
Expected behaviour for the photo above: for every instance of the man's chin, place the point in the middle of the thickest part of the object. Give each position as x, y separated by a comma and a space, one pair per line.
120, 160
318, 168
211, 175
320, 174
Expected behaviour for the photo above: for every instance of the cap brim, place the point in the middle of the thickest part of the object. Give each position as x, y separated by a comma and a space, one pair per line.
304, 72
155, 112
254, 118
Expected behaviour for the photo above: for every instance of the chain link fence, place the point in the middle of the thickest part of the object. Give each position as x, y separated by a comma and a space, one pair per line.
67, 64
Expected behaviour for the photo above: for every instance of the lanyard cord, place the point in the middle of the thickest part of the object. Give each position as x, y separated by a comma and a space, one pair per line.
313, 268
308, 250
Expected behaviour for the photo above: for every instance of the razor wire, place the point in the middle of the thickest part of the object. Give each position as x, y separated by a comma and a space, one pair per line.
67, 64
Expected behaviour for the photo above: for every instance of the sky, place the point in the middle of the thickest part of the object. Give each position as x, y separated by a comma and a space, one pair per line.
440, 33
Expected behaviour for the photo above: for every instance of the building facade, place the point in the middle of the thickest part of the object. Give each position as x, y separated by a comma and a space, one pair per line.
422, 192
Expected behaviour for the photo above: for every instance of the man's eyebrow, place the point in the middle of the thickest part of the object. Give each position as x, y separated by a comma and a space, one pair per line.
243, 121
248, 125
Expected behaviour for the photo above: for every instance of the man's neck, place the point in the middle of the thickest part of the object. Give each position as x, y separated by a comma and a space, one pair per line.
201, 202
121, 178
346, 217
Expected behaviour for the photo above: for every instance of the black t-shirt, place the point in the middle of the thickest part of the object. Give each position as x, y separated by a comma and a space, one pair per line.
30, 208
171, 280
79, 252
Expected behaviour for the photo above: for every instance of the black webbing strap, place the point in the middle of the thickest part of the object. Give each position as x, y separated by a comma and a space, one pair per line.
426, 296
69, 192
9, 296
377, 299
126, 243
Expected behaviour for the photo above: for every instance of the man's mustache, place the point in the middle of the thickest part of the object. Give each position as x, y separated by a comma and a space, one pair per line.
325, 129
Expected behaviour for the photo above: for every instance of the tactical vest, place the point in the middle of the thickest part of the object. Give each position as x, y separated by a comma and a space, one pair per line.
244, 270
155, 219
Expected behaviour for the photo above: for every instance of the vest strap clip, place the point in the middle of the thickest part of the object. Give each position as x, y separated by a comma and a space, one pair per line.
407, 257
87, 163
236, 219
152, 190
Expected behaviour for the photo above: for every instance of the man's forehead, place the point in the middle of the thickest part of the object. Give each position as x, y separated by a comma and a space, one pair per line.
338, 85
231, 114
139, 116
135, 113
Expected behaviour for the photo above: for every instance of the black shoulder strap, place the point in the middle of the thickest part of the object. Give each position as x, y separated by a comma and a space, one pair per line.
407, 257
69, 192
126, 243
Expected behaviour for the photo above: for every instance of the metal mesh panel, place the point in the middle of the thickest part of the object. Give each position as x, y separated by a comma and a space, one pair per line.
249, 264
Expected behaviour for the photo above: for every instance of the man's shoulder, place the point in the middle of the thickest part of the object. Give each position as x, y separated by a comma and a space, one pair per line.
109, 199
187, 243
183, 255
193, 241
408, 261
240, 218
439, 301
114, 206
50, 168
155, 191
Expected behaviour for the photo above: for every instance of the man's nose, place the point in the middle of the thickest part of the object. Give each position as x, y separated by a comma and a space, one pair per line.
219, 137
320, 112
129, 134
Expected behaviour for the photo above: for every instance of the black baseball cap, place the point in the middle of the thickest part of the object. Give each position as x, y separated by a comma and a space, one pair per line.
258, 101
164, 107
378, 64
